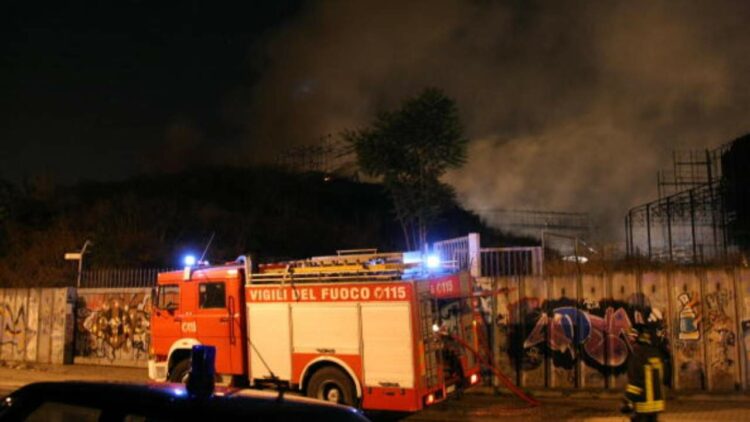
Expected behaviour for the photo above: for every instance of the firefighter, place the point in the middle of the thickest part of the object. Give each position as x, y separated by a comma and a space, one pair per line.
662, 343
648, 370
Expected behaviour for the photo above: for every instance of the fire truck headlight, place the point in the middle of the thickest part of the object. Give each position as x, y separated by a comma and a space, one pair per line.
189, 260
473, 379
433, 261
435, 328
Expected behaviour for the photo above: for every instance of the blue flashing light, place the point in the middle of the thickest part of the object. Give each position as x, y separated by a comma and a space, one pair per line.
433, 261
179, 392
189, 260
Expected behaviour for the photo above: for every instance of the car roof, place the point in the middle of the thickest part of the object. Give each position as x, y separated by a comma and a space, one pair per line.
172, 401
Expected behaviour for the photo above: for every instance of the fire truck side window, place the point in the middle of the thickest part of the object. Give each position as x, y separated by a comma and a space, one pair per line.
169, 297
211, 295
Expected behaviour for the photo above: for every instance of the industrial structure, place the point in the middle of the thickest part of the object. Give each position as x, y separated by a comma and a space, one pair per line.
556, 230
703, 210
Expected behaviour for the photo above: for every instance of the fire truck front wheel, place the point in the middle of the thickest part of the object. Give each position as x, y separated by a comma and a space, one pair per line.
180, 371
332, 384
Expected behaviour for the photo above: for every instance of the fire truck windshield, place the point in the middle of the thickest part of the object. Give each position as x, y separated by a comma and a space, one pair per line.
168, 297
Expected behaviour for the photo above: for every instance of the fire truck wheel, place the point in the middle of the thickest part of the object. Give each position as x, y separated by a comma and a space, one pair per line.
333, 385
180, 371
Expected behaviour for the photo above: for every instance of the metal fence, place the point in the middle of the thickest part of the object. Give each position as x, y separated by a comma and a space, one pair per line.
498, 262
121, 277
686, 227
454, 251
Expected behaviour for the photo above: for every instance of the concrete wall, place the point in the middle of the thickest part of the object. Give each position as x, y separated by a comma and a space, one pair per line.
113, 326
571, 332
36, 325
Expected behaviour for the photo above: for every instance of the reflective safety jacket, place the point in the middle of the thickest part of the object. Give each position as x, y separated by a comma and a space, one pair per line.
646, 372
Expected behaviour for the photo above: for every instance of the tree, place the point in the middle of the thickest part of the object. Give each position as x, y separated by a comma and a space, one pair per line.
410, 149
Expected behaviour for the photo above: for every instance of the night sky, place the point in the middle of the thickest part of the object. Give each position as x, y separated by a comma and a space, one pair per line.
102, 90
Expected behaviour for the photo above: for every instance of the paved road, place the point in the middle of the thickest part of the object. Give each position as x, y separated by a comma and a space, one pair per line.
484, 407
13, 376
479, 405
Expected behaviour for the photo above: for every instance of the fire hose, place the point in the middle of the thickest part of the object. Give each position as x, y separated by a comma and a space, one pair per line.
503, 379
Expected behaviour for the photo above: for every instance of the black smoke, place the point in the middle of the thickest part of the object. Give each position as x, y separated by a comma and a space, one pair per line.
570, 105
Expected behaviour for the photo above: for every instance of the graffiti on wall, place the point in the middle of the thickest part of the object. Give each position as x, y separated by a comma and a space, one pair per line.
548, 338
689, 317
601, 333
719, 328
16, 333
688, 344
113, 326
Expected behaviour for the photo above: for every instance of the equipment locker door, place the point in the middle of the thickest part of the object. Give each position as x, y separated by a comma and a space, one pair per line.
269, 340
387, 338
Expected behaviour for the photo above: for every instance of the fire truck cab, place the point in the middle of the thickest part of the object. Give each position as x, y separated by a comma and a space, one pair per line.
358, 328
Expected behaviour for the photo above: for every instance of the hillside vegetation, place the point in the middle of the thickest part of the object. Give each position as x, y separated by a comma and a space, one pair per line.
152, 220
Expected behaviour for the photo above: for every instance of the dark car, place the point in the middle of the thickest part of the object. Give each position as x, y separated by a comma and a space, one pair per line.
89, 401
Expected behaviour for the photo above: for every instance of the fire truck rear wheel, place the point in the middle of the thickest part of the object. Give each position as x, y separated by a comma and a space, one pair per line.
332, 384
180, 371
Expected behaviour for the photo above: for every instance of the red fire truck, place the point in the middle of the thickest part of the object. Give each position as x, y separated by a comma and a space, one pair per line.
359, 328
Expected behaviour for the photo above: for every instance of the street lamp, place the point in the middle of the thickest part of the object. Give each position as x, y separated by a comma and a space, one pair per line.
78, 256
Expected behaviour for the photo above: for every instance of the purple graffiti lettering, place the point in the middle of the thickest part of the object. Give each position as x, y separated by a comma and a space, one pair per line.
562, 330
606, 339
537, 334
609, 342
571, 318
